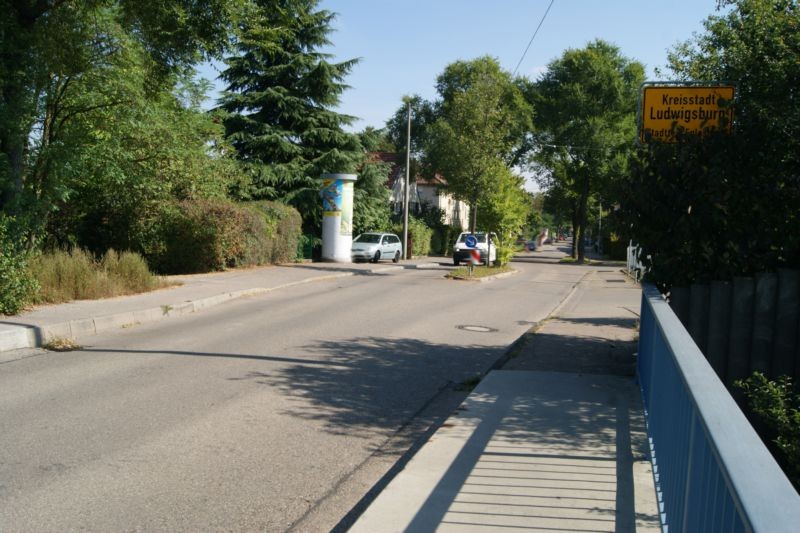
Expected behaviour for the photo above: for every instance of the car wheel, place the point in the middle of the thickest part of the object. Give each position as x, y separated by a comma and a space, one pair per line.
456, 262
396, 257
377, 257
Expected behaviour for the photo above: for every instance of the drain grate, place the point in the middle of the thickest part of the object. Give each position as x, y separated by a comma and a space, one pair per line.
477, 329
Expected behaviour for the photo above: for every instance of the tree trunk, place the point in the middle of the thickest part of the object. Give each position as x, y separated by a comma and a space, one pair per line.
582, 206
575, 228
473, 217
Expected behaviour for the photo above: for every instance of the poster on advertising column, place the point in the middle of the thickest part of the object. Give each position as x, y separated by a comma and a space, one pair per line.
668, 111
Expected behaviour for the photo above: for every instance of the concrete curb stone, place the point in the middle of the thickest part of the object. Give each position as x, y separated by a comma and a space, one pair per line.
15, 337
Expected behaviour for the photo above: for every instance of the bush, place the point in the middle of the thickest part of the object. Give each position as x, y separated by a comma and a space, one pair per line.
16, 285
209, 235
75, 275
204, 235
284, 230
443, 238
777, 405
420, 236
505, 252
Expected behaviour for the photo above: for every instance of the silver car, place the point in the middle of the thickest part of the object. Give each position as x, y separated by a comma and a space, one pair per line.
376, 246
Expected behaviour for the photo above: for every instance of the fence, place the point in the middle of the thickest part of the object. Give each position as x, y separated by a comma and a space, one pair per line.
712, 471
635, 267
746, 324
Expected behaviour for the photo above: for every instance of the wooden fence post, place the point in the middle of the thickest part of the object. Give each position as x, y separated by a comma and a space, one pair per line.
763, 322
786, 318
698, 316
679, 302
719, 322
741, 330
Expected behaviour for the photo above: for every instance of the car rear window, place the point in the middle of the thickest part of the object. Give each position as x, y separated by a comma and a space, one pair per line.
368, 238
480, 237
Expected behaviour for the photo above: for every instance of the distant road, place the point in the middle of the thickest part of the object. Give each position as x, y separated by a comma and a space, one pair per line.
262, 414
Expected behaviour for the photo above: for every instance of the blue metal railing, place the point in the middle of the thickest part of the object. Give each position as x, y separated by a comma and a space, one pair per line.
712, 471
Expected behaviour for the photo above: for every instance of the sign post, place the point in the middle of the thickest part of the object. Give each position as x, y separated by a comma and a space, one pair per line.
475, 257
667, 110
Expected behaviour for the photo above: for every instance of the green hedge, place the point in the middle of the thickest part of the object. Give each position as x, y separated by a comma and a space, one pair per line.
208, 235
420, 236
16, 284
284, 230
443, 239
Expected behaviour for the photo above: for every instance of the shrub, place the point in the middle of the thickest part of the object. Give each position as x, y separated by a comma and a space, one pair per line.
420, 235
17, 287
284, 230
505, 252
209, 235
203, 236
777, 405
443, 238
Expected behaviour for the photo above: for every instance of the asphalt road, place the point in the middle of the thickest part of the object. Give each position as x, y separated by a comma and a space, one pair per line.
265, 414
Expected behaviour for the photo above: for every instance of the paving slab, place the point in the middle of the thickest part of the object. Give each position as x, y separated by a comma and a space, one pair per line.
532, 450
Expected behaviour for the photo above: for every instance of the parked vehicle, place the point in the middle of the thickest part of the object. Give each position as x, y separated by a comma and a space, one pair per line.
462, 252
376, 246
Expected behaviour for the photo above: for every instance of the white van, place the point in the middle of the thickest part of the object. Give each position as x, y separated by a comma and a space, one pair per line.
462, 252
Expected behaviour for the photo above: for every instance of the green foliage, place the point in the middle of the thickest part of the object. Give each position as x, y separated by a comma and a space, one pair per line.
586, 108
279, 104
420, 236
75, 275
505, 211
56, 60
777, 404
371, 211
16, 284
728, 205
482, 120
478, 271
444, 236
283, 232
209, 235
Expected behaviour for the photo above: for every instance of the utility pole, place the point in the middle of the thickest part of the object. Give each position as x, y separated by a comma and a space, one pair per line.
406, 251
599, 227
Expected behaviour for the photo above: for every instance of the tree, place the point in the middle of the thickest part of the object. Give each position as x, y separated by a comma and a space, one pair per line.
505, 210
728, 205
586, 108
371, 196
279, 103
47, 47
482, 120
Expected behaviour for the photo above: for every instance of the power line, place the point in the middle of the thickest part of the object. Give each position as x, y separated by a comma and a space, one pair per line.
534, 36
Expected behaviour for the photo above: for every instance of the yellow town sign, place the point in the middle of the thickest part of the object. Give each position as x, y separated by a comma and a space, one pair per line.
693, 109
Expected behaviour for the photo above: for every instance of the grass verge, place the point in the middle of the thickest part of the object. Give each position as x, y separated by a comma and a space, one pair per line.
478, 272
75, 275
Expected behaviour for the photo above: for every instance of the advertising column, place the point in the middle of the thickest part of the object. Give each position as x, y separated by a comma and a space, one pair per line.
337, 217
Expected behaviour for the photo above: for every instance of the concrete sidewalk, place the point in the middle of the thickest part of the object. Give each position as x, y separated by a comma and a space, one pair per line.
555, 441
78, 319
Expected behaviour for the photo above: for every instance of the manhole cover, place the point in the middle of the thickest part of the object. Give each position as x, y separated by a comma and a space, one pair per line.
477, 329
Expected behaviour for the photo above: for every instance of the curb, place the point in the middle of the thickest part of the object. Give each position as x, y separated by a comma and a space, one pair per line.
15, 337
485, 278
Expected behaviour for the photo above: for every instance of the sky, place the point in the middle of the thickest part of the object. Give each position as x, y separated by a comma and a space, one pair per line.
403, 45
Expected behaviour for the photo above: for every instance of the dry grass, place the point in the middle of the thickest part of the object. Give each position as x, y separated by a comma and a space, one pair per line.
75, 275
58, 344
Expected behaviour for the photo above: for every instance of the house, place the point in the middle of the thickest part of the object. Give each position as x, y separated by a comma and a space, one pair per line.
422, 191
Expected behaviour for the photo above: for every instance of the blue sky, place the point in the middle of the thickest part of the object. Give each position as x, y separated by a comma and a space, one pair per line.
405, 44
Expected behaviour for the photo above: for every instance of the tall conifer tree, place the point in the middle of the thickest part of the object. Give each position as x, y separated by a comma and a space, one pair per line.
280, 99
